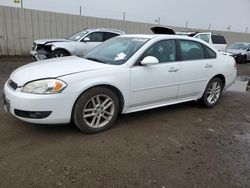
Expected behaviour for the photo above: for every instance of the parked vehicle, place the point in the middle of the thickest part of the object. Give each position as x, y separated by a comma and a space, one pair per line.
241, 51
125, 74
77, 44
218, 41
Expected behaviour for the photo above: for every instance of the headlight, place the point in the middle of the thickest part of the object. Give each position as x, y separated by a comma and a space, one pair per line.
53, 47
48, 86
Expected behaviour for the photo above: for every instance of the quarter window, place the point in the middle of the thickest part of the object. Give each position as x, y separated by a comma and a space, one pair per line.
191, 50
164, 51
108, 35
210, 54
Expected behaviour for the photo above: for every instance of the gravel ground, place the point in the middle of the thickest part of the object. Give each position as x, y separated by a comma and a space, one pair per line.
183, 145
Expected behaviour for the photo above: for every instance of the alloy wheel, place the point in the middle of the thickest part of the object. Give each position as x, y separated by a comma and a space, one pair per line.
98, 111
214, 92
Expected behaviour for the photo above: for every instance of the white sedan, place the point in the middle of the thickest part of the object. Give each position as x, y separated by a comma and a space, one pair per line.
125, 74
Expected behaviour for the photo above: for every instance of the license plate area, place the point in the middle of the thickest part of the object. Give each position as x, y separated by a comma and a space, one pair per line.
6, 104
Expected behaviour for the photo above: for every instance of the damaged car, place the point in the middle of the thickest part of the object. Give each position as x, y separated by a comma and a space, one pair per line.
77, 44
240, 51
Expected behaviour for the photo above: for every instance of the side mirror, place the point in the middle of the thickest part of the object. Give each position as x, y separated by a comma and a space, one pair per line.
86, 39
149, 60
248, 49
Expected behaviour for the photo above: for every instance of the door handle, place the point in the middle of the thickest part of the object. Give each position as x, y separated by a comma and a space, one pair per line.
173, 69
208, 66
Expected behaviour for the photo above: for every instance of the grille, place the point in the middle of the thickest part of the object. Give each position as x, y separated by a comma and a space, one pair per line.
13, 85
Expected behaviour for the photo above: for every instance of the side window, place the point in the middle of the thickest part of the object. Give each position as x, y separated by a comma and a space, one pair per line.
191, 50
96, 37
218, 39
203, 37
164, 51
108, 35
210, 54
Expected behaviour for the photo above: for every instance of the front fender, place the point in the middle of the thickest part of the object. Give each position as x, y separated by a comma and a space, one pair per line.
68, 46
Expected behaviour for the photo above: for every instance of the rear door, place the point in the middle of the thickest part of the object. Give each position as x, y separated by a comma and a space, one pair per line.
196, 68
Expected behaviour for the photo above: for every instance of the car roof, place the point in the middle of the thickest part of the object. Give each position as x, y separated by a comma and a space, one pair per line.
210, 33
104, 29
163, 36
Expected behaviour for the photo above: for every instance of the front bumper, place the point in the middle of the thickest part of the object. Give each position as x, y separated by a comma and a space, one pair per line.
39, 109
36, 56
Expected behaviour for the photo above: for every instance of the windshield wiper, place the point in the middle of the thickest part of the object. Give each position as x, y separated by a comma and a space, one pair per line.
95, 59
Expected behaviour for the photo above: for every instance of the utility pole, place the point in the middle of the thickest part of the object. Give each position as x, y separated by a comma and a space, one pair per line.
186, 24
209, 27
80, 10
21, 3
246, 29
124, 16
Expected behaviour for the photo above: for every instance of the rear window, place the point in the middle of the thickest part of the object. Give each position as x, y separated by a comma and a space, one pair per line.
218, 39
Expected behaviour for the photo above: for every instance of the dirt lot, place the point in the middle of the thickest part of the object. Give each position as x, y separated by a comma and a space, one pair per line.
184, 145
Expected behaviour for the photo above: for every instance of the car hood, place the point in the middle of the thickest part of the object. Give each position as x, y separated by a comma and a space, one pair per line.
46, 41
53, 68
234, 51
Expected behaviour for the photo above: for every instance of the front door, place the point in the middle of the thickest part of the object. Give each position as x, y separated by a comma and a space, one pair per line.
155, 84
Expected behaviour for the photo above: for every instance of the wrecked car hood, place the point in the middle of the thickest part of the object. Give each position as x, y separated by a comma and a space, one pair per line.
46, 41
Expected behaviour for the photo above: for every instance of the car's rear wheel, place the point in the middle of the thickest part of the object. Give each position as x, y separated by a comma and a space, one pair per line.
58, 53
212, 93
96, 110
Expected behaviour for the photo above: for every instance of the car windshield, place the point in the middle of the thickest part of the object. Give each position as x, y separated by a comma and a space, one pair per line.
116, 51
239, 46
77, 36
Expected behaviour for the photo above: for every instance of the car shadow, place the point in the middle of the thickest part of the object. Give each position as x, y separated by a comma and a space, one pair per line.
122, 120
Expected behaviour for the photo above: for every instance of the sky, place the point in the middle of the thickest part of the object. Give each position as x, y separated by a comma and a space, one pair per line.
197, 14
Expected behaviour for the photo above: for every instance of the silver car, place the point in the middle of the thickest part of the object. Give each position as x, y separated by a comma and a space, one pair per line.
240, 51
77, 44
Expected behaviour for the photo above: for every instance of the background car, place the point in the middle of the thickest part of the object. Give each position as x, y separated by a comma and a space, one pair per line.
240, 51
217, 40
125, 74
77, 44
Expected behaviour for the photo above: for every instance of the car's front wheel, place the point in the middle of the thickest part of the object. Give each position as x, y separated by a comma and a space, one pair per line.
212, 93
58, 53
96, 110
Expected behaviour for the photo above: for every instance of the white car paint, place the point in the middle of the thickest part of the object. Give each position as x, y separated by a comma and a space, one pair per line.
142, 87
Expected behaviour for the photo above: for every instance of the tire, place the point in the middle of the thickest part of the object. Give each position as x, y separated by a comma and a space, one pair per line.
58, 53
212, 93
96, 110
243, 59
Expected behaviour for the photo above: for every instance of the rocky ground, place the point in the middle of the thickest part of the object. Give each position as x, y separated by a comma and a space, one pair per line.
183, 145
